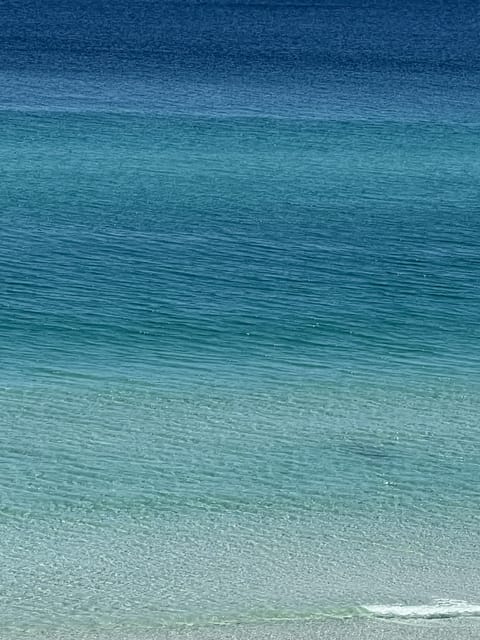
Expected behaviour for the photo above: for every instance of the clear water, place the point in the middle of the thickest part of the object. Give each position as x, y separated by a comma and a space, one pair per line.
239, 271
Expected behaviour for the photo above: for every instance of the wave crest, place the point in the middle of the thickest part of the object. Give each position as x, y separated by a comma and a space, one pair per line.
440, 609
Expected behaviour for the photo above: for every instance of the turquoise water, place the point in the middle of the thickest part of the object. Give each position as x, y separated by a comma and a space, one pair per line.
240, 384
239, 321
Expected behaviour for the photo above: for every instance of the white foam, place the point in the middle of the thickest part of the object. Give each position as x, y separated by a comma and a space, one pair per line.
442, 609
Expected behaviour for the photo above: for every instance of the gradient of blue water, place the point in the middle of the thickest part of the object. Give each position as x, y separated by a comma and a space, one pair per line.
239, 317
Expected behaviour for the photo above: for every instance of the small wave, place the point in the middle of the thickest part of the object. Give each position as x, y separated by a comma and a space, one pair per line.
437, 610
441, 609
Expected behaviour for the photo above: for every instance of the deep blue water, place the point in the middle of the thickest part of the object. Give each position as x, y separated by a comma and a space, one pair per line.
239, 303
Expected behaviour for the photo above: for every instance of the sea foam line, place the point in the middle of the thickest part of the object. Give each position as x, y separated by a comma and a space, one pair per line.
440, 609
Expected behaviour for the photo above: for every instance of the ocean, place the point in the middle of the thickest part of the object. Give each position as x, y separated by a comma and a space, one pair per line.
239, 320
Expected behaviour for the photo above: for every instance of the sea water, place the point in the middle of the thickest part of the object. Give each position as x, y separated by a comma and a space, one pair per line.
239, 321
